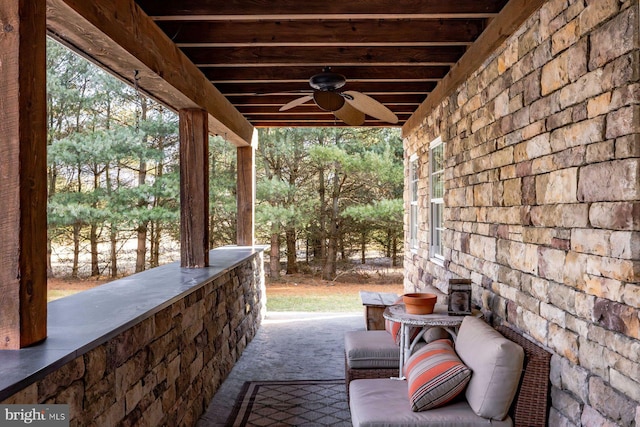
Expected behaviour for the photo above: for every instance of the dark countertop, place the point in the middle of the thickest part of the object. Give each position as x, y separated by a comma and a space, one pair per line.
83, 321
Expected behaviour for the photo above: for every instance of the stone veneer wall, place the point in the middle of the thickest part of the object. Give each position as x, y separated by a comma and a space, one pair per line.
542, 204
166, 369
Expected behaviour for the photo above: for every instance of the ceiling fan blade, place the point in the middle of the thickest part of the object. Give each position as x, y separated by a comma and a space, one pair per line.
296, 102
370, 106
328, 100
350, 115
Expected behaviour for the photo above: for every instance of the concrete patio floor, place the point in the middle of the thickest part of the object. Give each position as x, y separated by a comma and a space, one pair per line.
288, 346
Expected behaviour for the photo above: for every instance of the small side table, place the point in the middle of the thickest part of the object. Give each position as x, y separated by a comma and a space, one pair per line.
439, 317
374, 305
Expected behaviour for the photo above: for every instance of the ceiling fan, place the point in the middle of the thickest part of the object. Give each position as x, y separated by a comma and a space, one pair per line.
349, 106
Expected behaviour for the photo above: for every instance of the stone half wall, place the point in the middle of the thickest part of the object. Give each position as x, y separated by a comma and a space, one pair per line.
542, 203
165, 369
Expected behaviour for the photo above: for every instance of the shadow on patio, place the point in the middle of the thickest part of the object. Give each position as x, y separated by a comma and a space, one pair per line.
288, 346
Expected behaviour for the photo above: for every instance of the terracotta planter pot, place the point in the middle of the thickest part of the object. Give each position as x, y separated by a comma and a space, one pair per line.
419, 303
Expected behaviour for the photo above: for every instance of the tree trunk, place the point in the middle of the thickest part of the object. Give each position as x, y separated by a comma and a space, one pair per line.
388, 245
113, 237
322, 232
363, 247
292, 265
93, 233
394, 252
141, 250
329, 270
274, 256
93, 238
76, 250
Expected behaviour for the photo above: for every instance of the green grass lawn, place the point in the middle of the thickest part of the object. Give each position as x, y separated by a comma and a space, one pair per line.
311, 302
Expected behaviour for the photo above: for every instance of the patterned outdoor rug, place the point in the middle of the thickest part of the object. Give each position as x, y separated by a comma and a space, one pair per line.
291, 403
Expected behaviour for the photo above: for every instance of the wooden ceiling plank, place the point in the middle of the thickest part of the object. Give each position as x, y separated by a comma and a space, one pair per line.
512, 16
381, 32
333, 56
119, 37
289, 9
302, 73
280, 100
250, 89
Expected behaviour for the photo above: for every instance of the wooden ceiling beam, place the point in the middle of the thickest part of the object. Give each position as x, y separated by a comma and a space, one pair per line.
311, 108
280, 100
316, 123
294, 9
381, 32
118, 36
333, 56
250, 89
303, 73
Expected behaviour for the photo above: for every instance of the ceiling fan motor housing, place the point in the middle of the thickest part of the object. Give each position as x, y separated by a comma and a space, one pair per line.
327, 80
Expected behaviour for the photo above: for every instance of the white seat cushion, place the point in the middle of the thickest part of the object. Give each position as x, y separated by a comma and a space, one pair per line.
371, 349
385, 402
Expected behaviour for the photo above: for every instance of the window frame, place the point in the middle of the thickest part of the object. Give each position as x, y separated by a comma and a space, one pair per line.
414, 178
436, 202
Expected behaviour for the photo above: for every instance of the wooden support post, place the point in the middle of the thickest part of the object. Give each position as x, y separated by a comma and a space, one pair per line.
23, 174
194, 188
246, 194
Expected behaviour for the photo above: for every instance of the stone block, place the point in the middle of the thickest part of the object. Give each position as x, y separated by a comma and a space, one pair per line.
631, 295
551, 263
592, 358
617, 317
596, 12
625, 245
563, 297
602, 287
600, 152
599, 105
614, 268
483, 195
535, 147
60, 379
95, 365
557, 187
626, 385
564, 69
573, 378
623, 121
592, 418
587, 86
584, 304
513, 192
628, 146
576, 134
565, 37
535, 325
610, 181
611, 403
566, 404
563, 342
101, 396
553, 314
591, 241
614, 38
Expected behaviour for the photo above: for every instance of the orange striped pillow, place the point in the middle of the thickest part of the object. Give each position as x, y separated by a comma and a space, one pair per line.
394, 329
435, 375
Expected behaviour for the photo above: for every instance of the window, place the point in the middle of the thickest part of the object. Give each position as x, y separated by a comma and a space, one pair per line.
413, 197
436, 197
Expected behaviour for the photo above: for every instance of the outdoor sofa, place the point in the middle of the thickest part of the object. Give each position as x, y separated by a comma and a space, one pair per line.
508, 382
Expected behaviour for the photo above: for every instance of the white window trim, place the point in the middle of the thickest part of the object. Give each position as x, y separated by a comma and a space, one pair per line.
436, 257
413, 222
